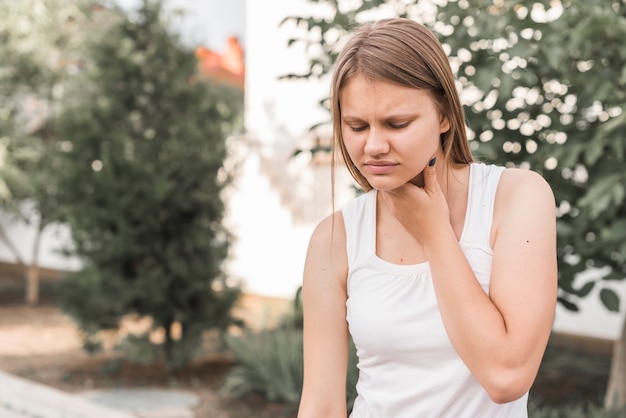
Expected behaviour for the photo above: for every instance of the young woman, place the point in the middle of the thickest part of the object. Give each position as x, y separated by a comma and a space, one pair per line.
444, 271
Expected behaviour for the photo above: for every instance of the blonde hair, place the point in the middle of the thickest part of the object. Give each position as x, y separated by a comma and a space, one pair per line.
404, 52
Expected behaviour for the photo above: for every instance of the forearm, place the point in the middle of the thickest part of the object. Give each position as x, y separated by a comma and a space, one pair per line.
325, 370
474, 323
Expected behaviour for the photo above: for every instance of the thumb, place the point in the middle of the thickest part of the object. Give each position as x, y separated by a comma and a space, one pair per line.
430, 175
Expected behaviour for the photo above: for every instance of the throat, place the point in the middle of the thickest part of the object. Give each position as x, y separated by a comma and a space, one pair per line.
456, 192
418, 180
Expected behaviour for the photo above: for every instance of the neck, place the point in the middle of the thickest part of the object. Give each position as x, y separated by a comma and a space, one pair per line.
452, 179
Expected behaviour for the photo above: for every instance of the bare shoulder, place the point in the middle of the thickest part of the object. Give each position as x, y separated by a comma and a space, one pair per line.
521, 187
326, 255
330, 231
524, 202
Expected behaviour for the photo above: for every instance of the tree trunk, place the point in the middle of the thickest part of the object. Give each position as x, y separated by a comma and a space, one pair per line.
32, 276
7, 241
616, 389
168, 347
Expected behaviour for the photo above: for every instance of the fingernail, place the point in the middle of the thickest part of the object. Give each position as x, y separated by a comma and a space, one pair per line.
432, 162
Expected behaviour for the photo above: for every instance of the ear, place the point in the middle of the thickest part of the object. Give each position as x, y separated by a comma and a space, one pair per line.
444, 125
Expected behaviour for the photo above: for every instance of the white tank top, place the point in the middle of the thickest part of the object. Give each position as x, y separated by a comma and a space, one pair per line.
408, 367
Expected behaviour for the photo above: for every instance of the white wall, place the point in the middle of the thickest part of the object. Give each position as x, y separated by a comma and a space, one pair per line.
277, 109
269, 248
593, 319
276, 199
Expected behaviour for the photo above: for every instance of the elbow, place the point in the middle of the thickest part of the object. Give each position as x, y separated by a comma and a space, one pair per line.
316, 407
312, 413
504, 395
508, 385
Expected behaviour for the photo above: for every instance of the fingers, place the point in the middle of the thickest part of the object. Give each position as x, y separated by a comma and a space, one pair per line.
430, 176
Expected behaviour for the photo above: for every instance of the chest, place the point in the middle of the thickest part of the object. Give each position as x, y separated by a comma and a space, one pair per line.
396, 318
396, 245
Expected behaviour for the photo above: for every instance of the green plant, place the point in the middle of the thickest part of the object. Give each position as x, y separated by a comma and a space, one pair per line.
270, 363
352, 377
40, 52
142, 147
535, 410
295, 317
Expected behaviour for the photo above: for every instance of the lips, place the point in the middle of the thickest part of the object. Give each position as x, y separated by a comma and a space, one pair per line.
380, 167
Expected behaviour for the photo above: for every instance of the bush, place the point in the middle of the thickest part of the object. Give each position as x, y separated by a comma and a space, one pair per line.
572, 411
141, 154
270, 364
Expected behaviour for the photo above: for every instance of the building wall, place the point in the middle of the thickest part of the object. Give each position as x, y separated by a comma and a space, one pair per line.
278, 197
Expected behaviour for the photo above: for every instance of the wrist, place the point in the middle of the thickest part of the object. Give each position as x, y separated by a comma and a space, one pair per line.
438, 240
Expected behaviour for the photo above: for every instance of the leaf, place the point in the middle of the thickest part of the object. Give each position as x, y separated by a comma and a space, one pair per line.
564, 229
570, 306
571, 155
600, 205
586, 289
610, 299
614, 233
598, 196
614, 276
612, 125
594, 151
555, 58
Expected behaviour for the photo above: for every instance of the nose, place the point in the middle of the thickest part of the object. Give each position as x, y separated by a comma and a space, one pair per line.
376, 143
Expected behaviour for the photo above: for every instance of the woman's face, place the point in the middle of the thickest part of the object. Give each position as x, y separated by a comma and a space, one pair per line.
390, 131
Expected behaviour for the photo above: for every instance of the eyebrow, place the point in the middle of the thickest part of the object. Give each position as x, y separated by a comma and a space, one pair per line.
399, 116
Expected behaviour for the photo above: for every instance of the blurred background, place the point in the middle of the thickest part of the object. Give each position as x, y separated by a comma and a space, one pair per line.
163, 164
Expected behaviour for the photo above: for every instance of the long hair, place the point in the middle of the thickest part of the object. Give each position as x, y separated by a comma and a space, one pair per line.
403, 52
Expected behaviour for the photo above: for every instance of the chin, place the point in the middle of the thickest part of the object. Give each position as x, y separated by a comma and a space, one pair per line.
385, 186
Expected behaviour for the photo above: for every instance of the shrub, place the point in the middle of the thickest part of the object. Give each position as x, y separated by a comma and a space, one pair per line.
572, 411
269, 363
142, 148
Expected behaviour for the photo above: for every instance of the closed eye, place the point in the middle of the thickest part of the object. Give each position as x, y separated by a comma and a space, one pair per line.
399, 125
359, 128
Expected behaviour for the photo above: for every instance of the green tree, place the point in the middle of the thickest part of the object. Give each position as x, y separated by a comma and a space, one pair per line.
39, 52
544, 86
142, 145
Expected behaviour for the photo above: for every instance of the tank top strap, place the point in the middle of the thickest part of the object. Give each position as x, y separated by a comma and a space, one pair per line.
359, 217
483, 184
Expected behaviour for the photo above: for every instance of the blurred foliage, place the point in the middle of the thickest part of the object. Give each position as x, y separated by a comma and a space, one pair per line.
271, 362
40, 52
535, 410
543, 83
40, 49
105, 126
268, 363
295, 317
